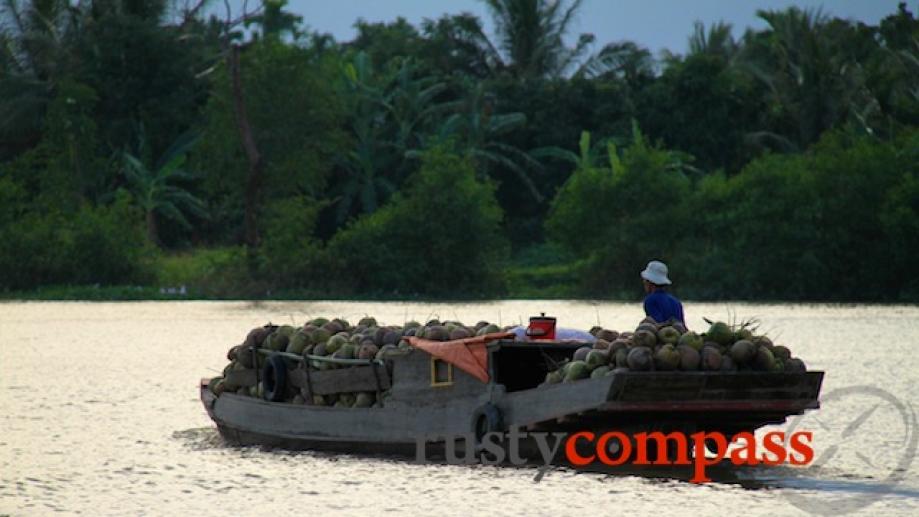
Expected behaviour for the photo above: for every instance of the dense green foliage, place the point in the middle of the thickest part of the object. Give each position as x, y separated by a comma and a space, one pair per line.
154, 143
440, 235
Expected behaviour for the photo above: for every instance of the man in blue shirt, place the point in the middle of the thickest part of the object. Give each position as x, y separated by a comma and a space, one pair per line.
659, 304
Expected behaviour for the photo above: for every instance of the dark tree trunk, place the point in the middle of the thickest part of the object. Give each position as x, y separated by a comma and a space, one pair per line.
152, 229
254, 177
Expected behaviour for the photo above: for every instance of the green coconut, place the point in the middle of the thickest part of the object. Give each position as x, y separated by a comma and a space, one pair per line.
644, 338
668, 335
666, 358
348, 351
576, 370
711, 344
364, 399
335, 343
437, 333
334, 327
650, 327
692, 340
607, 335
298, 399
256, 336
680, 327
244, 357
390, 337
278, 341
385, 349
743, 333
554, 377
318, 400
581, 353
728, 364
320, 350
601, 344
594, 330
460, 333
596, 358
348, 399
317, 322
649, 320
491, 328
321, 335
711, 359
377, 334
795, 365
599, 371
621, 358
720, 333
368, 321
297, 343
764, 360
368, 351
287, 330
212, 384
743, 351
781, 352
618, 343
640, 359
689, 357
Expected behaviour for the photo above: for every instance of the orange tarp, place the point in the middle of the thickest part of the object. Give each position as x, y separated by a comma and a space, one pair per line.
467, 354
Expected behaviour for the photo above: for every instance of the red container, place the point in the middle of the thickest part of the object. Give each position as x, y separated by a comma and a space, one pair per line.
541, 327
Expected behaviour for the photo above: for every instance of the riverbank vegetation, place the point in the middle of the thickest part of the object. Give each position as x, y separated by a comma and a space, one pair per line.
193, 153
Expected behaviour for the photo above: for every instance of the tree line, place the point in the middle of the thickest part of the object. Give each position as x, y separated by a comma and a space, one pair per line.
157, 141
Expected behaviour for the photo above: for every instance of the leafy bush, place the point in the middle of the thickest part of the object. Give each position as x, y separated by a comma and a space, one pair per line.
290, 253
94, 245
619, 217
439, 237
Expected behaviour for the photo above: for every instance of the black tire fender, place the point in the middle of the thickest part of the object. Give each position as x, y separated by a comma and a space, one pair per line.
486, 419
274, 378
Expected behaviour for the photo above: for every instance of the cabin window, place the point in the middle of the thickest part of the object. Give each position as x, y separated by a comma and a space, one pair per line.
441, 373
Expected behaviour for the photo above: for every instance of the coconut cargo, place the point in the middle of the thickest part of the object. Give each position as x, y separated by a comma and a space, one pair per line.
370, 387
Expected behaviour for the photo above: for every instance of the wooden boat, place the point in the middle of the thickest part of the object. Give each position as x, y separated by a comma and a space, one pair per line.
423, 396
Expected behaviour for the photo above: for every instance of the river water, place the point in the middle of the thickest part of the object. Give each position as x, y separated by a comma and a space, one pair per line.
99, 415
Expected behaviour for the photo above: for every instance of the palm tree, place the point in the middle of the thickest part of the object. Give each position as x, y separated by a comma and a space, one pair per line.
155, 188
475, 130
389, 113
528, 42
812, 85
36, 39
716, 41
587, 157
531, 36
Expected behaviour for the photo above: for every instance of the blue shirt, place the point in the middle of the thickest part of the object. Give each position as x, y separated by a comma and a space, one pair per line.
662, 306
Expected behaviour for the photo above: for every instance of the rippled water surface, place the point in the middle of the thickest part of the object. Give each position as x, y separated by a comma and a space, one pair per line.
99, 415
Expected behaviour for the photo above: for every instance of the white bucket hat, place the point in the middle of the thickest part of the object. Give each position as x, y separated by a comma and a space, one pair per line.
656, 273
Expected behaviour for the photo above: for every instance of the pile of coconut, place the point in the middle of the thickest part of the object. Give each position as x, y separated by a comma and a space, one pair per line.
652, 346
670, 346
337, 339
